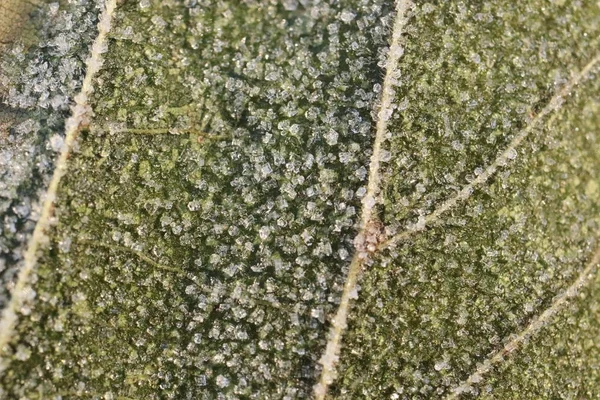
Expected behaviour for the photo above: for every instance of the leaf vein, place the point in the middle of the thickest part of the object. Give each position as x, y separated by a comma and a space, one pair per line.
80, 114
330, 356
534, 327
386, 108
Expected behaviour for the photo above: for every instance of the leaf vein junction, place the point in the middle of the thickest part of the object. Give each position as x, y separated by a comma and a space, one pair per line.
363, 252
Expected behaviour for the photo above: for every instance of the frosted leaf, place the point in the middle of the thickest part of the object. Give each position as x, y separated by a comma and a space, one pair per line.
240, 225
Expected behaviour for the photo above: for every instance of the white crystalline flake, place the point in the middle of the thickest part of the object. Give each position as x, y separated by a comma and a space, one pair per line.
266, 170
193, 205
158, 21
347, 16
264, 232
56, 142
290, 5
456, 145
23, 353
343, 254
331, 137
386, 114
53, 8
222, 381
361, 173
420, 224
511, 154
441, 365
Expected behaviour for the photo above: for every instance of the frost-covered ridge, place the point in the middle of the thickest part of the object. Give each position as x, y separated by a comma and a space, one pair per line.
367, 239
41, 70
80, 114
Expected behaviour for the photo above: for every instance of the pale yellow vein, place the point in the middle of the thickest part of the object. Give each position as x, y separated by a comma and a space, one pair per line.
139, 254
534, 327
79, 117
339, 322
501, 160
386, 109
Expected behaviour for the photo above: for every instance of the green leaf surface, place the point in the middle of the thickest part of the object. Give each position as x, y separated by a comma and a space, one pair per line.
283, 199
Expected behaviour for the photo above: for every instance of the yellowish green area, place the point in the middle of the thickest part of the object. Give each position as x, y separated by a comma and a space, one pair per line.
14, 15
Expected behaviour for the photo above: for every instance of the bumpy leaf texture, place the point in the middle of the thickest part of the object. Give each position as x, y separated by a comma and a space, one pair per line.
281, 199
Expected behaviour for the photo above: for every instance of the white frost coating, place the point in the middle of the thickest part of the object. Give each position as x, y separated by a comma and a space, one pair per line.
509, 154
79, 117
363, 238
339, 322
534, 327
